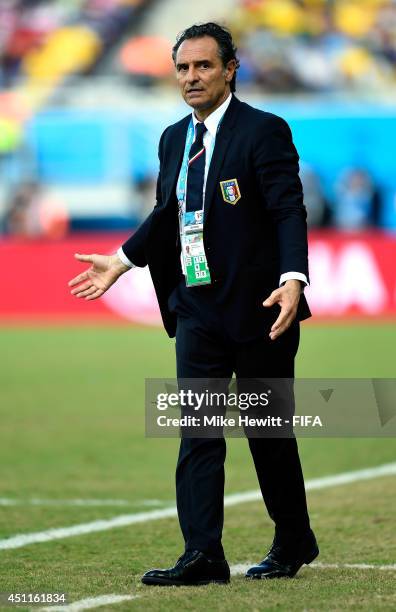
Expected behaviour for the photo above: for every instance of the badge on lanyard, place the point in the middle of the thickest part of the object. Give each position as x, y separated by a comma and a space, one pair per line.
193, 253
193, 257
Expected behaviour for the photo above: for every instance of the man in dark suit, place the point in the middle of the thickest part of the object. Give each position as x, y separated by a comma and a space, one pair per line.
235, 169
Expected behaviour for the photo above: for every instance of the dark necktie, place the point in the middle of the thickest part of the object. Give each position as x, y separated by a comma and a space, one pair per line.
196, 171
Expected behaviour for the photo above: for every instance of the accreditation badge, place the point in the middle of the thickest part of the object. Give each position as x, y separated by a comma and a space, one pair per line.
195, 265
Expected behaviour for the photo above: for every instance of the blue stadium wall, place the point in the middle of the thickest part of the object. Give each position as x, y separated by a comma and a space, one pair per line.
88, 147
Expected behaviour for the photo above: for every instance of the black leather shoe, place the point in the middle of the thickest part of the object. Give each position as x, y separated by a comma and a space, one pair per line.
285, 559
192, 568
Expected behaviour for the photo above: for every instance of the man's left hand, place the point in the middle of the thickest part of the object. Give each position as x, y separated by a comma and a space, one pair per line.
287, 297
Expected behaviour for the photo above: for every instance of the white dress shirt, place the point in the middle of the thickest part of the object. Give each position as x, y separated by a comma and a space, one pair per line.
212, 124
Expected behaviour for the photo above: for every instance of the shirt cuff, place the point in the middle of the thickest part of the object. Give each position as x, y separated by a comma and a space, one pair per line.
293, 276
125, 259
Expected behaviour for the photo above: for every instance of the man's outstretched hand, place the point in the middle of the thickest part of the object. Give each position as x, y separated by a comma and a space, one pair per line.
103, 273
287, 297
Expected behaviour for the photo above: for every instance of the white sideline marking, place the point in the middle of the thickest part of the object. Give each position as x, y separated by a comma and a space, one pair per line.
38, 501
101, 525
241, 568
363, 566
91, 602
320, 483
124, 520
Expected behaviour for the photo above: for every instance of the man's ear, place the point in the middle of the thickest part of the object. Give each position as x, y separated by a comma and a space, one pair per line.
229, 70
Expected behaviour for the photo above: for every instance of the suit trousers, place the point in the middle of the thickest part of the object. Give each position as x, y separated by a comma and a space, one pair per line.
204, 350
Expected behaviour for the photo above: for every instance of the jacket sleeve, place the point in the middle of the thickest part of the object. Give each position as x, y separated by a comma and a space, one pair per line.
276, 166
135, 246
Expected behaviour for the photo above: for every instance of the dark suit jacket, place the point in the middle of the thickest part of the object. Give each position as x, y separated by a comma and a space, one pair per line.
249, 244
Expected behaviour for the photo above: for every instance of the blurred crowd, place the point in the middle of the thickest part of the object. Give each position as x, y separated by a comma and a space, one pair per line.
356, 203
50, 39
285, 46
32, 212
317, 45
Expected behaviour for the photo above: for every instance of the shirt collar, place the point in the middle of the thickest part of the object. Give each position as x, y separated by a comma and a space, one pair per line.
213, 120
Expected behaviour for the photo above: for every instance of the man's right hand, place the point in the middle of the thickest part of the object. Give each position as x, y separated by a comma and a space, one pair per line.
95, 281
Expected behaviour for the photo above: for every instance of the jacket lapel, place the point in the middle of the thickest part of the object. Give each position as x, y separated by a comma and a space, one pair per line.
173, 162
221, 146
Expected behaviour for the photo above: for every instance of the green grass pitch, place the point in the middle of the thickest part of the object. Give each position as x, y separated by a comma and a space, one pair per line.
72, 426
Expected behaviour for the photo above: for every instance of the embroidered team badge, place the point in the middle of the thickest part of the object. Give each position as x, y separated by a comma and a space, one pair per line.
230, 191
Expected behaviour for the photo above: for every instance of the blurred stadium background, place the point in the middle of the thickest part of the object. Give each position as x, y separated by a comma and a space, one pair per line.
86, 88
